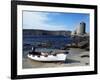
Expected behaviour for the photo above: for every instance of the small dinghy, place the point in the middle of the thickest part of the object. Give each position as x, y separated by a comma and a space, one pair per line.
58, 57
41, 56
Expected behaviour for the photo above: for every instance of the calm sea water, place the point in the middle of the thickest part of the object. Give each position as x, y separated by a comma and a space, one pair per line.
38, 40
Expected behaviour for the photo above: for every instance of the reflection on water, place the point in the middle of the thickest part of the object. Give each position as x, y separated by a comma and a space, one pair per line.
45, 41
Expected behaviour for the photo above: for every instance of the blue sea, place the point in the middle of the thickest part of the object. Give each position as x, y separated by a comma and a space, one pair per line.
55, 42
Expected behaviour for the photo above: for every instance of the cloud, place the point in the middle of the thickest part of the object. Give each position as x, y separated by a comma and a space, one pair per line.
40, 20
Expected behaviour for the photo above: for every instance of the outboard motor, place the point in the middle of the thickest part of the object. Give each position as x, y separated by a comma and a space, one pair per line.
33, 50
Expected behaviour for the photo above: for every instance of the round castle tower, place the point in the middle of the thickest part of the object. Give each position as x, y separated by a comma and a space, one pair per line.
81, 28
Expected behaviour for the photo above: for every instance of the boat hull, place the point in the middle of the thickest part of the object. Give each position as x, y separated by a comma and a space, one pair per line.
58, 57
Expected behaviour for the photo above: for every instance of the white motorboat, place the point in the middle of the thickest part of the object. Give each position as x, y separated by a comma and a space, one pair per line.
58, 57
52, 56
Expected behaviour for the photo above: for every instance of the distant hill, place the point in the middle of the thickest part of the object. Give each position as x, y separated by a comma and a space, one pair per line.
45, 32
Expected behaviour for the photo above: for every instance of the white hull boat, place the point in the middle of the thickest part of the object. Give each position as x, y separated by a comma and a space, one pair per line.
58, 57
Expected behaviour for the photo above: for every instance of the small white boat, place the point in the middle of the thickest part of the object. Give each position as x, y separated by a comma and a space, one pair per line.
58, 57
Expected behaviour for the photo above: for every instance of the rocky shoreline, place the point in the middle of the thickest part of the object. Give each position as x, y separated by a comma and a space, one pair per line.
76, 57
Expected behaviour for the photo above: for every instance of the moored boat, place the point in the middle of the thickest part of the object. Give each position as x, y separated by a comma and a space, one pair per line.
57, 57
41, 56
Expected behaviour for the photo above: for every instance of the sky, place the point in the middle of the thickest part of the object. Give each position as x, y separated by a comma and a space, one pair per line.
54, 20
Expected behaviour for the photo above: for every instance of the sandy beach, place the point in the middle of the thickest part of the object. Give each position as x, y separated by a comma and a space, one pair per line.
75, 57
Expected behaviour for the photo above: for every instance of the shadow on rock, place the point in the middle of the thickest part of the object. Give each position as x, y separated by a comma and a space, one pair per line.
71, 61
